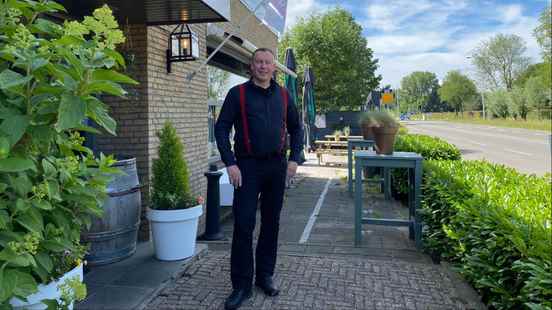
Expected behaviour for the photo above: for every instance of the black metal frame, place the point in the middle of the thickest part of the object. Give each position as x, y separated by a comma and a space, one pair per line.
178, 32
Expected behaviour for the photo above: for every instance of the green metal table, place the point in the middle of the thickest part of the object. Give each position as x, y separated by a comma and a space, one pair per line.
411, 161
360, 143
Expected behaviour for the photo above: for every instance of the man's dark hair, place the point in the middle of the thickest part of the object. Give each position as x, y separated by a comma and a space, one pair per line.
262, 49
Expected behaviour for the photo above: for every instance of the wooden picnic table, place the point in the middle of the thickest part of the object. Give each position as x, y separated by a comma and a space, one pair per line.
342, 138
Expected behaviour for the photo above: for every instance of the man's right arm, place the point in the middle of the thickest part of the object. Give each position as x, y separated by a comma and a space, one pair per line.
225, 121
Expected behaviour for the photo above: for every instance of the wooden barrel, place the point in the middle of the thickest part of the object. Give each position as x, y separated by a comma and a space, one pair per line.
112, 237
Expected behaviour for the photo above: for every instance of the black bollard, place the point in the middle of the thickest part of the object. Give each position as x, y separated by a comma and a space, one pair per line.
212, 225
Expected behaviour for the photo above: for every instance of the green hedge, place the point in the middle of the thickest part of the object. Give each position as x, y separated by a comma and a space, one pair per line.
429, 147
495, 224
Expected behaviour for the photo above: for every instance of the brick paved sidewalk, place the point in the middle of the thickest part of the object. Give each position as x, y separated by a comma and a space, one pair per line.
319, 283
327, 271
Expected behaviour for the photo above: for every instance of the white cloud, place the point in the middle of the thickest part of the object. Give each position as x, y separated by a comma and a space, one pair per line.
390, 16
430, 42
510, 13
302, 8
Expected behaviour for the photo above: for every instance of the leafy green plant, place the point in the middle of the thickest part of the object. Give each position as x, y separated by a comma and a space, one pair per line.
170, 183
378, 119
431, 148
495, 224
50, 184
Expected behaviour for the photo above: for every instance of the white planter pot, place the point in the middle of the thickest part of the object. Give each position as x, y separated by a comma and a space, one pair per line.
48, 291
174, 232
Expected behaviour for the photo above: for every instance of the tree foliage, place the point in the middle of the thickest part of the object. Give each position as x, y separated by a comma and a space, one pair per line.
539, 97
217, 80
543, 33
333, 46
417, 89
517, 103
500, 60
497, 103
458, 90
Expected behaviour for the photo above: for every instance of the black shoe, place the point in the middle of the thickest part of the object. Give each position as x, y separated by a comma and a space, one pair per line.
267, 286
235, 300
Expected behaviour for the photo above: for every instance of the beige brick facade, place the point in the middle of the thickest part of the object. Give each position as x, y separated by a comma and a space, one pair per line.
161, 96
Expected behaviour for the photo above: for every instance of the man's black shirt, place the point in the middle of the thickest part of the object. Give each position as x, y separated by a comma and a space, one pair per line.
265, 109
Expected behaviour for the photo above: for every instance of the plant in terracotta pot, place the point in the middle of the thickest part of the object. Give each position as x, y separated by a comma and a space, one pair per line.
383, 128
173, 212
50, 184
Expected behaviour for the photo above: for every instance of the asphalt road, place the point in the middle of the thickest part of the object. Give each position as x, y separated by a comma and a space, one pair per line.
526, 150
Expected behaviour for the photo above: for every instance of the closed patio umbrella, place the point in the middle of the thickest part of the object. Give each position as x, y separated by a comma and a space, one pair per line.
290, 82
309, 106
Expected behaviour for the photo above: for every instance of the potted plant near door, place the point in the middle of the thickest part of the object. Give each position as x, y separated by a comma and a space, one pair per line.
383, 127
173, 213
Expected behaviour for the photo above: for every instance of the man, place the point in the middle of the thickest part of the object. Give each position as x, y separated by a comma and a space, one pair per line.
261, 111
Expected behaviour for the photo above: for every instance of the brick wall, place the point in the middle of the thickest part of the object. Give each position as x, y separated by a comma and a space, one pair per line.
161, 96
172, 97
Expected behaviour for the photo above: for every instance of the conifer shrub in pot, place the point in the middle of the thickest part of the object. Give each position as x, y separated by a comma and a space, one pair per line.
173, 212
50, 184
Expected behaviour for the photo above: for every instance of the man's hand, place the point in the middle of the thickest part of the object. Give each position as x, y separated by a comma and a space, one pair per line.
291, 170
234, 174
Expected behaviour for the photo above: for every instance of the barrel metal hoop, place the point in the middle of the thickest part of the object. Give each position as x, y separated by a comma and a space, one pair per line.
126, 192
112, 233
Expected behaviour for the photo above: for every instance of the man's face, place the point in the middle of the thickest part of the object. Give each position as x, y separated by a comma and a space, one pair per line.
262, 66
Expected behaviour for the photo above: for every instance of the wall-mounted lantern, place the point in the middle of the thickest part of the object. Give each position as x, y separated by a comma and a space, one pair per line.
183, 45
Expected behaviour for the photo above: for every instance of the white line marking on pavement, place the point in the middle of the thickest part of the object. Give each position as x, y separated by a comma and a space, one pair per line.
314, 215
518, 152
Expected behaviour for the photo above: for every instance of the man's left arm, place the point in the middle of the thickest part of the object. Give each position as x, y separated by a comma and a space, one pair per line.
295, 130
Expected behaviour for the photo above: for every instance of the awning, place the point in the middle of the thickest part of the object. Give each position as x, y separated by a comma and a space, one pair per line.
156, 12
238, 48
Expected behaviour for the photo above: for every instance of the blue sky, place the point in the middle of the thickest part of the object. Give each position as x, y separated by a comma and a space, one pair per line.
430, 35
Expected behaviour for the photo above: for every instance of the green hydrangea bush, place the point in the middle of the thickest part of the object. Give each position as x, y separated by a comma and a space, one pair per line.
51, 76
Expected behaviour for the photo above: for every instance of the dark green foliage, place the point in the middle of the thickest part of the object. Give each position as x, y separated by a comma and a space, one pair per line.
170, 183
495, 224
429, 147
333, 46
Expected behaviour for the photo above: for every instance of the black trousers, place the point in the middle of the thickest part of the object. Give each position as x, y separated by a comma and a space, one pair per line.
264, 177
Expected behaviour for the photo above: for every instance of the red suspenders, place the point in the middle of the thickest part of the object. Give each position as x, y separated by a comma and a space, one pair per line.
245, 125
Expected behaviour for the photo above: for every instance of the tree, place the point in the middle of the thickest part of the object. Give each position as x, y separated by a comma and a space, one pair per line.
333, 46
417, 89
497, 103
458, 90
543, 33
500, 60
538, 96
517, 103
532, 70
217, 80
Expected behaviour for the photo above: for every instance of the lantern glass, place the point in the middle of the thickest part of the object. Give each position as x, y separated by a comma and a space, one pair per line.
195, 46
184, 40
174, 46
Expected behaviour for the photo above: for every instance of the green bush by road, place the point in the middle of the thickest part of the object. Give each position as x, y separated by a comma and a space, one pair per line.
431, 148
495, 224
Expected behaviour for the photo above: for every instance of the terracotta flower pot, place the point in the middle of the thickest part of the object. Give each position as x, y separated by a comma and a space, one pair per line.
366, 129
385, 139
